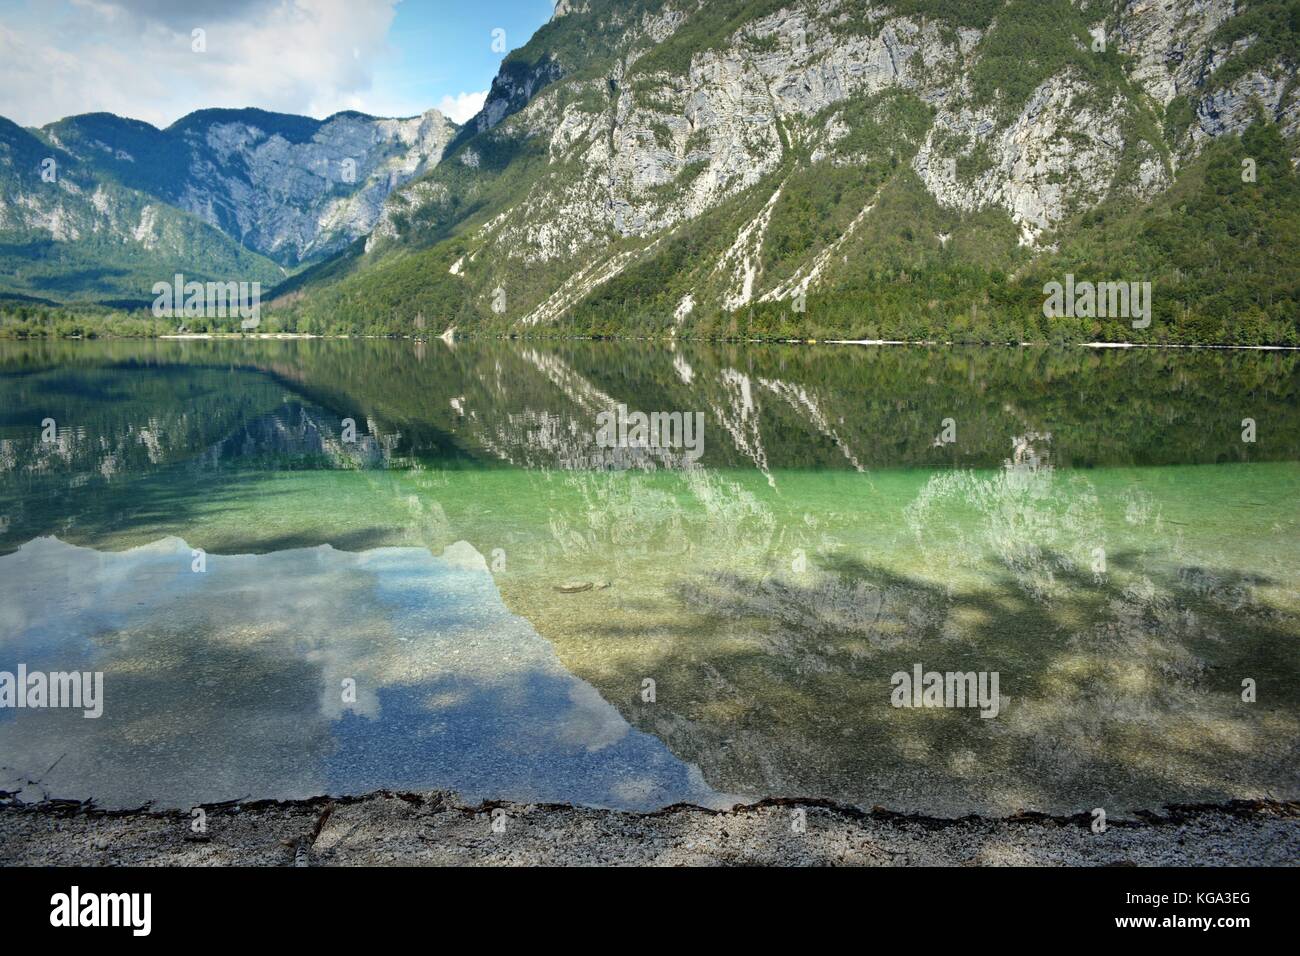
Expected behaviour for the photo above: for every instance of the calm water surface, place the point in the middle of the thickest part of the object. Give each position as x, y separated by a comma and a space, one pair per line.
472, 593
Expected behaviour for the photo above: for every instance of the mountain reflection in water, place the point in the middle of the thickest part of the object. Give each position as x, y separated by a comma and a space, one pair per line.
1092, 527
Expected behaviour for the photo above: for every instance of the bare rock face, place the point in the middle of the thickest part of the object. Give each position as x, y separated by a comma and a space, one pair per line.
1060, 154
1231, 109
1177, 55
300, 200
1170, 42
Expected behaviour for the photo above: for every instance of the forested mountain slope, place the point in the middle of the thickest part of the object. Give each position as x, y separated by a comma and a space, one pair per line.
913, 169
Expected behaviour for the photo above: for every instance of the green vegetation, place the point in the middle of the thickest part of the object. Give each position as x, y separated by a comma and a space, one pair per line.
98, 269
26, 320
963, 13
1213, 248
1274, 26
1219, 251
1032, 41
890, 262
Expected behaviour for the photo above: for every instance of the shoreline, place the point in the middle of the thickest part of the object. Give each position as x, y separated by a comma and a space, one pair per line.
670, 342
248, 335
1139, 345
435, 828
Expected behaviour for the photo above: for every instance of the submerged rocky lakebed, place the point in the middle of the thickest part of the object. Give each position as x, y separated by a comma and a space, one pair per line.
333, 567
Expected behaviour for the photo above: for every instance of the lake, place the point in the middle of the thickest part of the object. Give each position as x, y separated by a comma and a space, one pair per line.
332, 566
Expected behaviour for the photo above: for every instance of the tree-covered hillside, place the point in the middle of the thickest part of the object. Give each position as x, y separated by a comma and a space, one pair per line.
915, 170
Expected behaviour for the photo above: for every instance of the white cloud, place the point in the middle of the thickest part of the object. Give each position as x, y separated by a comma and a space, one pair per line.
462, 106
135, 57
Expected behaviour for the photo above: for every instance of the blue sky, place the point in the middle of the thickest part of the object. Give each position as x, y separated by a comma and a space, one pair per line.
144, 59
444, 48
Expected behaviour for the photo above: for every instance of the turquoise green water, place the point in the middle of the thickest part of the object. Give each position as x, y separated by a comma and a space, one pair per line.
1097, 533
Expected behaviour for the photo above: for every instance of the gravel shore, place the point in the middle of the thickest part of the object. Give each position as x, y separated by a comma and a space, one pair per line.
435, 829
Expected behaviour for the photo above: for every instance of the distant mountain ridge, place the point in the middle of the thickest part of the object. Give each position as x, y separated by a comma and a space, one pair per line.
224, 193
68, 232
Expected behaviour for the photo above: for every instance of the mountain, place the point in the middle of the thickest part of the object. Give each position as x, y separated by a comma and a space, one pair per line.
289, 187
902, 168
221, 194
81, 236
